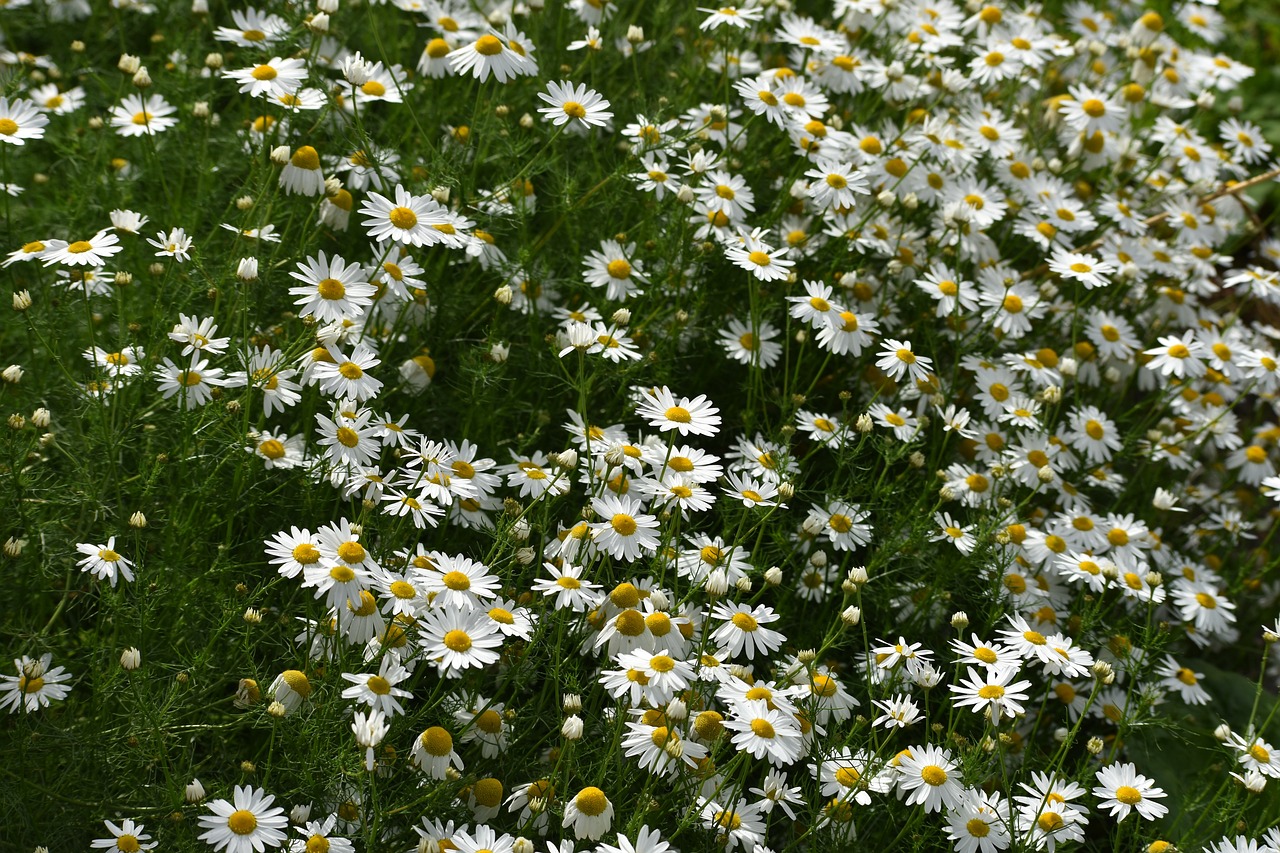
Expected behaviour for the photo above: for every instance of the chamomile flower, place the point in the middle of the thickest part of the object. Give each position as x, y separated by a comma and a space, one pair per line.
695, 415
751, 253
456, 640
1081, 267
1121, 790
742, 631
274, 77
247, 824
35, 685
589, 814
92, 252
143, 115
127, 837
378, 690
489, 54
332, 289
930, 778
568, 102
411, 219
898, 360
626, 532
20, 120
765, 732
994, 690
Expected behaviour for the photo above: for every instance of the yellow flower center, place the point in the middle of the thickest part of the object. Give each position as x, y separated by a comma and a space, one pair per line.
1128, 795
436, 741
623, 524
488, 46
379, 685
619, 269
317, 844
662, 663
264, 72
456, 581
762, 728
933, 775
977, 827
141, 118
403, 217
573, 109
8, 127
457, 641
374, 88
745, 621
759, 258
348, 437
591, 801
242, 822
991, 691
272, 449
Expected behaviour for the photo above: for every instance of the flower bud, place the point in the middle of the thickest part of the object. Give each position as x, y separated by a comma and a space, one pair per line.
327, 6
960, 620
277, 710
138, 520
503, 295
194, 792
567, 459
1104, 672
635, 34
141, 79
280, 155
851, 616
319, 23
773, 576
129, 64
253, 616
21, 300
864, 424
621, 317
499, 352
572, 703
1094, 745
247, 269
1222, 732
300, 814
572, 727
523, 845
858, 575
131, 659
40, 418
12, 374
526, 556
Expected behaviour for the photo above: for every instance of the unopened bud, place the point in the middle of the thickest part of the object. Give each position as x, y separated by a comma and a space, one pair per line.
851, 616
635, 34
526, 556
1045, 474
1104, 672
247, 269
773, 576
960, 620
21, 300
280, 155
1222, 732
253, 616
1094, 745
277, 710
572, 727
621, 317
131, 659
864, 424
503, 295
194, 792
12, 374
141, 79
129, 64
319, 23
40, 418
213, 61
572, 703
137, 521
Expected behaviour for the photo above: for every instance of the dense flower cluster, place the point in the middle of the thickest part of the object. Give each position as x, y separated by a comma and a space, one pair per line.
900, 465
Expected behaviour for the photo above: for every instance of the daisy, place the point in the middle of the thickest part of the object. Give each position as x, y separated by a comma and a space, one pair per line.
487, 55
751, 253
740, 824
897, 712
460, 583
750, 491
756, 347
647, 841
92, 252
274, 77
253, 29
378, 690
20, 120
992, 691
332, 290
574, 102
697, 416
764, 732
292, 551
411, 219
615, 268
350, 441
1183, 680
302, 175
142, 115
192, 385
35, 685
568, 587
103, 562
949, 530
742, 629
1088, 110
930, 778
1081, 267
433, 753
664, 675
277, 450
835, 184
897, 360
1180, 357
589, 814
247, 824
176, 244
126, 838
1122, 789
455, 641
815, 307
626, 532
977, 824
346, 377
317, 835
740, 17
